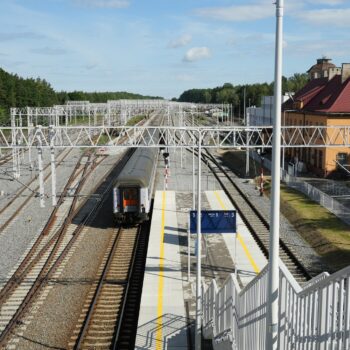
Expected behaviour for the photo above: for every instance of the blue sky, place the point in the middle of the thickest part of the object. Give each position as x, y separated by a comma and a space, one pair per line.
163, 47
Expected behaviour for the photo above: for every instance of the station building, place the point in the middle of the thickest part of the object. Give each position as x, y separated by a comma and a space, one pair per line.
323, 101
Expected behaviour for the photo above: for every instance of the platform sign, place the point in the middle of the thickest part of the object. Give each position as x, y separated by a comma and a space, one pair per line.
214, 221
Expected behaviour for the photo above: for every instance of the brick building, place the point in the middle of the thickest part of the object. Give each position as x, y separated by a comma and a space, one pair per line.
323, 101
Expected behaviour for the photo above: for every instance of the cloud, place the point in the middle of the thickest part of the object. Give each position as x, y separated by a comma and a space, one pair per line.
49, 51
242, 13
104, 3
197, 53
335, 17
183, 40
20, 35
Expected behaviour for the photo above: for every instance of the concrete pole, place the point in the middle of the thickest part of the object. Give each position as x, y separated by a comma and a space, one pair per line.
273, 272
244, 106
247, 149
14, 143
198, 337
41, 172
53, 168
193, 182
53, 176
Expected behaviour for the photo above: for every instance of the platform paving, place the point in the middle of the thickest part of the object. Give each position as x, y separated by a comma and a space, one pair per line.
162, 320
248, 258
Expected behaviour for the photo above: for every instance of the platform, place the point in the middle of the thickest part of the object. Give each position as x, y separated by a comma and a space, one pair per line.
162, 320
244, 251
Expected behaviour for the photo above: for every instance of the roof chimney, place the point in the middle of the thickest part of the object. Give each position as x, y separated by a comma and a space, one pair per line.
345, 72
332, 72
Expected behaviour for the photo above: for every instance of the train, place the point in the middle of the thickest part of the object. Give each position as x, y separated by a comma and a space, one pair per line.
133, 188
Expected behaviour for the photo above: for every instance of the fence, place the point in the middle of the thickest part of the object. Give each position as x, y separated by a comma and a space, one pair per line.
328, 202
315, 316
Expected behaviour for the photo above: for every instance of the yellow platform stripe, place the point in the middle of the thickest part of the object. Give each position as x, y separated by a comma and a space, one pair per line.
239, 237
159, 332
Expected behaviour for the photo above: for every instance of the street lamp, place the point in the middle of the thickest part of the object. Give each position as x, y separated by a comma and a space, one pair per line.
272, 305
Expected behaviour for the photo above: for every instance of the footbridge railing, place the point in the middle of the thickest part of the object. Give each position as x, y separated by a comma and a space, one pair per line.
315, 316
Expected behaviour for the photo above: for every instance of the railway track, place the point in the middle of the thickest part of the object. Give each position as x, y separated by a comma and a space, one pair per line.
106, 300
50, 252
20, 289
24, 287
23, 196
6, 158
254, 220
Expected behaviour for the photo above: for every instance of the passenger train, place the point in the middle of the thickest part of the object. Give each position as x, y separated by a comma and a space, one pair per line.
133, 189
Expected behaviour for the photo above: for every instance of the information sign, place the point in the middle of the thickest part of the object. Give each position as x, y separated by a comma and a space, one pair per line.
214, 221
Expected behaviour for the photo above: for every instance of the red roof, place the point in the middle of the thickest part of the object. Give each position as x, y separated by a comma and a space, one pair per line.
323, 96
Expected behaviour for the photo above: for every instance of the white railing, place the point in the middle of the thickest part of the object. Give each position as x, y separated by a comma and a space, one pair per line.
327, 201
316, 316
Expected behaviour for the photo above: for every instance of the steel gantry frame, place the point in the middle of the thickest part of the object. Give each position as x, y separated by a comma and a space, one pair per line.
58, 136
175, 137
114, 112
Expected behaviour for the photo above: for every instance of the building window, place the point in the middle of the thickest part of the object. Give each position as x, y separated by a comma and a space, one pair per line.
341, 159
320, 159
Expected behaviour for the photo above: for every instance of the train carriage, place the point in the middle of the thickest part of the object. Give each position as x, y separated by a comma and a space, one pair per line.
132, 191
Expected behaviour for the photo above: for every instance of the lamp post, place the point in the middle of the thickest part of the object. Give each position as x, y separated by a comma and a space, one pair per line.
198, 331
273, 270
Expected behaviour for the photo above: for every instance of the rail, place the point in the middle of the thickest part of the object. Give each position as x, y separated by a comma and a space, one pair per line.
287, 253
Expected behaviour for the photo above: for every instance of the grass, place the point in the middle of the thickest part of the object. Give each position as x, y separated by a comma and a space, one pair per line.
327, 234
104, 139
134, 120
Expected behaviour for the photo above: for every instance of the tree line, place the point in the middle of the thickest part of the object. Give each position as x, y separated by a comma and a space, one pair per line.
234, 95
19, 92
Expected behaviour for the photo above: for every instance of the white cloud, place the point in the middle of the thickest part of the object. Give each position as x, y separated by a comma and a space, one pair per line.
197, 53
334, 17
183, 40
104, 3
242, 13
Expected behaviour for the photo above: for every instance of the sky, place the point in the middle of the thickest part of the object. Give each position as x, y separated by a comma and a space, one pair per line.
163, 47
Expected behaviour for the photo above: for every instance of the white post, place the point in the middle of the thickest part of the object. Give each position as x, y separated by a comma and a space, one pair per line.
283, 154
189, 251
247, 149
193, 182
41, 173
14, 144
273, 273
53, 167
198, 337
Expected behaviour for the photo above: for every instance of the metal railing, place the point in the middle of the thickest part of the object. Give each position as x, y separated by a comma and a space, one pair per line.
315, 194
328, 202
315, 316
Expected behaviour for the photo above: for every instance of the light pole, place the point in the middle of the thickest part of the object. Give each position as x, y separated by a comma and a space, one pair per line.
198, 332
273, 271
